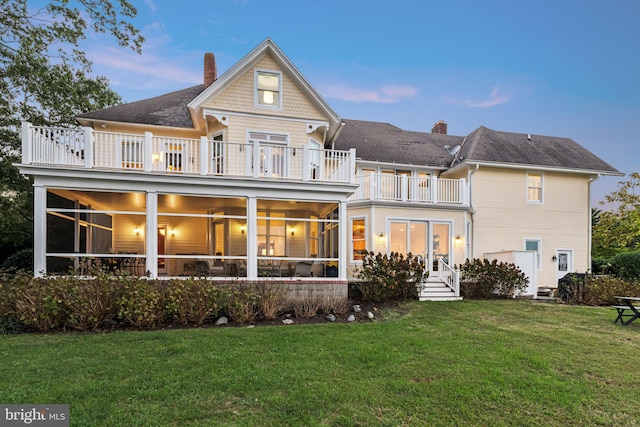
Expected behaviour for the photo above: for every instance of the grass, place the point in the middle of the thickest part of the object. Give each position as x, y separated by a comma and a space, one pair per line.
463, 363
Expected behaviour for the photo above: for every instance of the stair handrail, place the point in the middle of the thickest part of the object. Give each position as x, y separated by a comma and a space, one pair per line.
449, 276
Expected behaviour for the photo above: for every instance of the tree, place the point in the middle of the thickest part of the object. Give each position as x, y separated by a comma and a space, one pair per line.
618, 229
46, 79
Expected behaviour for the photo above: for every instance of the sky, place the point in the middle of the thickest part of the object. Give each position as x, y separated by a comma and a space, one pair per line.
567, 68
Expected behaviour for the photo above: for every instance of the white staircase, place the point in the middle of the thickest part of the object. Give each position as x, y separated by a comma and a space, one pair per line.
434, 290
442, 285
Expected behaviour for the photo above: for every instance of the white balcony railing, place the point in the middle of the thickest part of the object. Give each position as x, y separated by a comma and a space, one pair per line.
404, 188
72, 147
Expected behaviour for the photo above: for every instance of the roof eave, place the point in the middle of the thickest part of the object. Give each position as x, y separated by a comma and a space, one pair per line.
473, 163
267, 46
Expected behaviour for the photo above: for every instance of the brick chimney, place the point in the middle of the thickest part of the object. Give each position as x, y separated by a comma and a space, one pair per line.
440, 127
210, 71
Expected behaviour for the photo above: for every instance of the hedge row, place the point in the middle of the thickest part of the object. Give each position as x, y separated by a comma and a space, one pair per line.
60, 303
589, 289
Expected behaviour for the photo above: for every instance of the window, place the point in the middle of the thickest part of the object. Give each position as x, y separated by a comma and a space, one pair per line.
271, 234
359, 240
268, 88
534, 188
534, 245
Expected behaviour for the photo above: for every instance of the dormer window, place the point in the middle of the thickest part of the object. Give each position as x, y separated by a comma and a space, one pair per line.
268, 88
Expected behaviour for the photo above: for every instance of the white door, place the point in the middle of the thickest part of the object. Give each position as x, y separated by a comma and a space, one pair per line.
564, 262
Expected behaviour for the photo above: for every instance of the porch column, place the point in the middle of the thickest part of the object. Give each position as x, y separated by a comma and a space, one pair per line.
252, 238
26, 143
39, 231
147, 152
88, 147
204, 155
151, 234
342, 244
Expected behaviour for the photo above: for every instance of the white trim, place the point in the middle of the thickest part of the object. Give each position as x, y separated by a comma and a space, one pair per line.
540, 168
350, 234
539, 251
570, 262
528, 200
227, 114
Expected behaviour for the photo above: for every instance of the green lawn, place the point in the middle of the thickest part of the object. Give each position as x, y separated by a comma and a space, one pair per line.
457, 363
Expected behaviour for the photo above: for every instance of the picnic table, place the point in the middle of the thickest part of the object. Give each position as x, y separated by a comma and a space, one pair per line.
627, 310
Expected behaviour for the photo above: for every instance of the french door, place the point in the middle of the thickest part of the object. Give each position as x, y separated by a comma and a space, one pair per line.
429, 240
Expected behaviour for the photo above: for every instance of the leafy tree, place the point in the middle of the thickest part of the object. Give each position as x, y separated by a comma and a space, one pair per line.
618, 229
46, 79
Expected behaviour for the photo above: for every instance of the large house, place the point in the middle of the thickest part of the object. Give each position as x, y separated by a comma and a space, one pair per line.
252, 176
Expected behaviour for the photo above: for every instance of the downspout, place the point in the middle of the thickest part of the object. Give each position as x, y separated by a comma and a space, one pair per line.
590, 241
473, 226
335, 135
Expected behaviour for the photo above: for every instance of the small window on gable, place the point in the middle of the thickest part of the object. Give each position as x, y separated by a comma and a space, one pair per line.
534, 188
268, 88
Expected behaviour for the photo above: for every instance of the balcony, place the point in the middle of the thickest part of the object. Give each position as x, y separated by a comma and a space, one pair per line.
403, 188
90, 149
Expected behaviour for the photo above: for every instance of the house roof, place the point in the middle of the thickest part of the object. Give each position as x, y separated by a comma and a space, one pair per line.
384, 142
164, 110
490, 146
268, 47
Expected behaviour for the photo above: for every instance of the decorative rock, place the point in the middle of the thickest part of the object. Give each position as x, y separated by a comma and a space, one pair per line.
222, 321
330, 318
287, 321
351, 318
356, 309
370, 315
251, 326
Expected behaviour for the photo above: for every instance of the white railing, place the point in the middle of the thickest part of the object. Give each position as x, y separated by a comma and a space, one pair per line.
404, 188
449, 276
55, 145
149, 153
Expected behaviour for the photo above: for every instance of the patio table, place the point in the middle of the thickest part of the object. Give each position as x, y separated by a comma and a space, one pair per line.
627, 310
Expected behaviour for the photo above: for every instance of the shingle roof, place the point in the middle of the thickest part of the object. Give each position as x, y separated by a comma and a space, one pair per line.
384, 142
164, 110
487, 145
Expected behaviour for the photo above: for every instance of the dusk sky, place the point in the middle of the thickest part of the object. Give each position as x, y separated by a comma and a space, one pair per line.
567, 68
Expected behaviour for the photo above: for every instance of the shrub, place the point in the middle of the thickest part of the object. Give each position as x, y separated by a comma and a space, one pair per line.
272, 299
20, 261
385, 277
307, 307
491, 278
142, 302
242, 304
192, 301
578, 288
10, 326
626, 265
601, 265
38, 303
334, 303
90, 302
601, 290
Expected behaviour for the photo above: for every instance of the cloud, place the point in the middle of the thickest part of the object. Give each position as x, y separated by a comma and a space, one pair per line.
143, 66
151, 5
383, 95
495, 98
